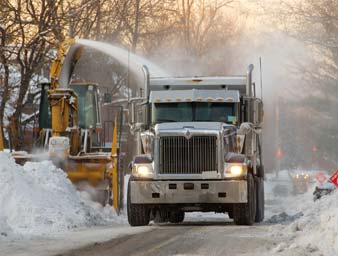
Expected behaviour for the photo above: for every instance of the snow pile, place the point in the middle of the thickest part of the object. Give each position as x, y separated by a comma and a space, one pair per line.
314, 228
38, 199
284, 218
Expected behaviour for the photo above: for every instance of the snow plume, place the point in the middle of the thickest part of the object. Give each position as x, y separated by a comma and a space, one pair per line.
39, 199
283, 89
135, 62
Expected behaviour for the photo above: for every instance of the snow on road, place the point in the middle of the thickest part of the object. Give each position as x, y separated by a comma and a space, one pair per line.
61, 242
42, 214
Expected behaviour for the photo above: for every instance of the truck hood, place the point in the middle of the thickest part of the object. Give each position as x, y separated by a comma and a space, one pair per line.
192, 126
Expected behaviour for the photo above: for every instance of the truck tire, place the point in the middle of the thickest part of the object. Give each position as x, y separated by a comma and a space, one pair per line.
245, 213
231, 213
138, 214
260, 171
176, 217
260, 200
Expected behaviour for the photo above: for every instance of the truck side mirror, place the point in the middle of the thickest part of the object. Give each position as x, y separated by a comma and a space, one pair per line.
259, 111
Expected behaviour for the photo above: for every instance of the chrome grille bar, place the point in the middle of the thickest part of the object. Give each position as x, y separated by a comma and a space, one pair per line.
179, 155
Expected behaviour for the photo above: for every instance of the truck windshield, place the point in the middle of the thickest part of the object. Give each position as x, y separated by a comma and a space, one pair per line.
193, 111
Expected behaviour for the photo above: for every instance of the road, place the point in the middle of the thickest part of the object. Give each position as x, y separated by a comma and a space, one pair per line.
216, 236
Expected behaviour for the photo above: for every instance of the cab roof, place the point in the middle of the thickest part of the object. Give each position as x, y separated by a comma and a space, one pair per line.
237, 83
194, 95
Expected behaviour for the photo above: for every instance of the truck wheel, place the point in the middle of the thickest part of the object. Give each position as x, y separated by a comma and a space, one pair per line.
138, 214
231, 213
260, 200
244, 214
260, 171
176, 217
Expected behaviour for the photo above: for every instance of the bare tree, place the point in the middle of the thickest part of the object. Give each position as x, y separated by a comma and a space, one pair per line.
144, 19
198, 19
32, 27
315, 23
198, 40
4, 75
94, 19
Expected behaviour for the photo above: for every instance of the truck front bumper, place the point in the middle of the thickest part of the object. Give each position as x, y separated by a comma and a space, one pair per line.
188, 191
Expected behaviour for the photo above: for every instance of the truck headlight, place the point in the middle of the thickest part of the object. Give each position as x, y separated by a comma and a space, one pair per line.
143, 170
235, 170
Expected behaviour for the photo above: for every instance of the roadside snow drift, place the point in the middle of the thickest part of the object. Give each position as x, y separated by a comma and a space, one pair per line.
311, 228
38, 199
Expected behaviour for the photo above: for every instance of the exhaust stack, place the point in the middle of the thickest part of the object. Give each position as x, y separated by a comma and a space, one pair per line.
146, 81
146, 91
249, 80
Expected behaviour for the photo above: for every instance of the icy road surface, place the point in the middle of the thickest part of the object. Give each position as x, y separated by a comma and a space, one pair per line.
212, 236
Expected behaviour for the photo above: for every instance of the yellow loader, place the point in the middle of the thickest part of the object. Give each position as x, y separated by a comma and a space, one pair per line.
73, 114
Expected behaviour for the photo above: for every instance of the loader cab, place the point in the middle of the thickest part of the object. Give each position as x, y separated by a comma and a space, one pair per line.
89, 114
88, 105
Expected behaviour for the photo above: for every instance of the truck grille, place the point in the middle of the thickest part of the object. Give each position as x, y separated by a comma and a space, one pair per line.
179, 155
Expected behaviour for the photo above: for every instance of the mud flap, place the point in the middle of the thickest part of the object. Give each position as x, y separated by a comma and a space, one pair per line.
259, 199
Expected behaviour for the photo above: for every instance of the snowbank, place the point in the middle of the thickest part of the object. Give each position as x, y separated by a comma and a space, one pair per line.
38, 199
313, 228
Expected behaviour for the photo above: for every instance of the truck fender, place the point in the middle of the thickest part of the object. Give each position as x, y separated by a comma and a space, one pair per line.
235, 158
143, 159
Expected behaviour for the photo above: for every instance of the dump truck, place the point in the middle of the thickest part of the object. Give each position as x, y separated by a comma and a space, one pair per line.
199, 148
